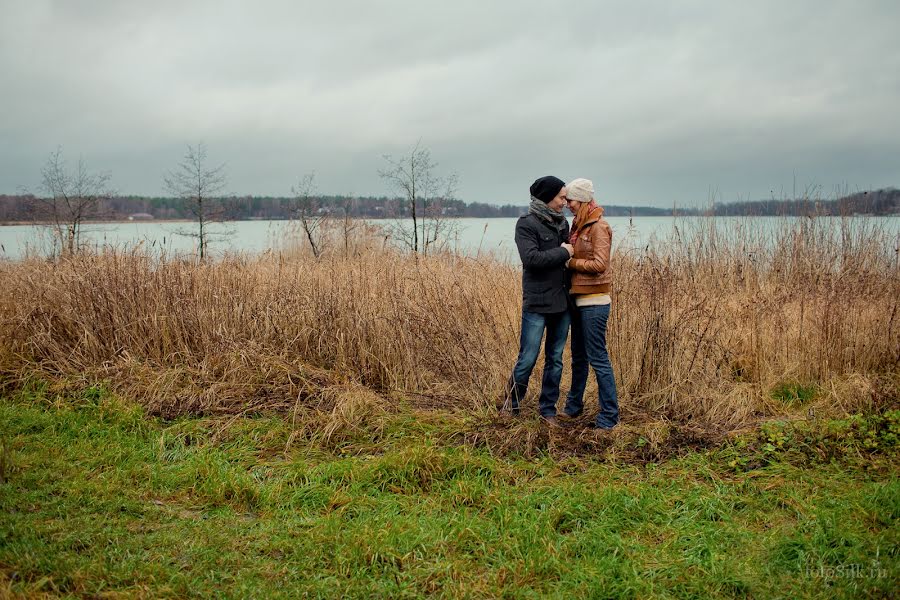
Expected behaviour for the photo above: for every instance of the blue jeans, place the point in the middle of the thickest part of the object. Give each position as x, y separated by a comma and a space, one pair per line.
589, 348
533, 326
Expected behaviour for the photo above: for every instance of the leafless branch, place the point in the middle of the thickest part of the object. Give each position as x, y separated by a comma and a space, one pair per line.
71, 198
308, 211
199, 186
422, 190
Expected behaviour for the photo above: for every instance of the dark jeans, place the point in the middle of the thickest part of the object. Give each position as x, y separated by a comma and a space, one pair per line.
533, 326
589, 348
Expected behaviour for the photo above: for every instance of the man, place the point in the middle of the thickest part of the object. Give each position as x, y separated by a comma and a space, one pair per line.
542, 240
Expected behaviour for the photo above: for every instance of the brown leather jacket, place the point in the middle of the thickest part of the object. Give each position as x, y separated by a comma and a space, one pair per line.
591, 272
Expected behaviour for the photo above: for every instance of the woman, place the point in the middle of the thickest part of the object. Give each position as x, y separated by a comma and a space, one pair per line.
591, 284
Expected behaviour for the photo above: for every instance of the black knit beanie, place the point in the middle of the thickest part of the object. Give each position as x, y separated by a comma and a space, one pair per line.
546, 188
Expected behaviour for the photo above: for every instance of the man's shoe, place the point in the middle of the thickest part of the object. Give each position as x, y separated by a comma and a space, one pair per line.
511, 399
504, 406
551, 422
507, 410
567, 417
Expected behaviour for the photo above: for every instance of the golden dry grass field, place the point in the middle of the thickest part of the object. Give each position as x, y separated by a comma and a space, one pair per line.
712, 332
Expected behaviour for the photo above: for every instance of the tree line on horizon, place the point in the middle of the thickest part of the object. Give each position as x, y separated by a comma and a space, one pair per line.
18, 208
424, 213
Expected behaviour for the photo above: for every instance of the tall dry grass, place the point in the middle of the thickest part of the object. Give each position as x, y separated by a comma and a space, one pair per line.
705, 324
715, 317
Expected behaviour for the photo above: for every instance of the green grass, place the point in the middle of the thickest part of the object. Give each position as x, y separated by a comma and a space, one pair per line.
793, 394
97, 500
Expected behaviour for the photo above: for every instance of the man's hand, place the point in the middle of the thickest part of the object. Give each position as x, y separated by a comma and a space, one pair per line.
569, 249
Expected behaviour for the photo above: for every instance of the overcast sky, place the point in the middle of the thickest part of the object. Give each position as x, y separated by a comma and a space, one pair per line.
657, 102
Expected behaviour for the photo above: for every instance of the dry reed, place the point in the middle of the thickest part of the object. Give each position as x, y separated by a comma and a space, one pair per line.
706, 323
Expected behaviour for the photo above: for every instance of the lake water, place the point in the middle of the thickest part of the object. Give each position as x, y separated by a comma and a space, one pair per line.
472, 235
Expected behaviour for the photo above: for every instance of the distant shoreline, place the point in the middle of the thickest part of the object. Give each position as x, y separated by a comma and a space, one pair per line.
688, 216
103, 222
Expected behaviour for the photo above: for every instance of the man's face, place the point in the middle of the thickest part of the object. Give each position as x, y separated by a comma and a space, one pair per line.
559, 201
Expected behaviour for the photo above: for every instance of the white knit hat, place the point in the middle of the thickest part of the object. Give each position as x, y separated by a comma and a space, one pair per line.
581, 190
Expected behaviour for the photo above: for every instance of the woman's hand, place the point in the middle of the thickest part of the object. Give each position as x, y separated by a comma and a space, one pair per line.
569, 249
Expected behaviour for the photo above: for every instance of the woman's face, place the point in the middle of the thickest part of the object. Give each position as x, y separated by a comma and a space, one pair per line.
573, 205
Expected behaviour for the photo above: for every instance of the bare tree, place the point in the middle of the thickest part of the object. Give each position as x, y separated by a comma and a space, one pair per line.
437, 227
348, 223
414, 177
198, 185
72, 197
308, 212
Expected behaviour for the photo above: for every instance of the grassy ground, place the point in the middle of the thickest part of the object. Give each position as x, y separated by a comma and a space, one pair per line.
99, 500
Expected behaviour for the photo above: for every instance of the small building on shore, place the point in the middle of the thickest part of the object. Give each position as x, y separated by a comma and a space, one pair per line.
140, 217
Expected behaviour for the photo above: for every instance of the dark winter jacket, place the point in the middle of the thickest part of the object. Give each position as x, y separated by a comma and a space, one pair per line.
544, 279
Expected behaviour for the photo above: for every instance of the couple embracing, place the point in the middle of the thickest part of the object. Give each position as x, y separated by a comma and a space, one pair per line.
566, 281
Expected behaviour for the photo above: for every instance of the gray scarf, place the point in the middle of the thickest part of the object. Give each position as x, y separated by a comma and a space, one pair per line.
543, 212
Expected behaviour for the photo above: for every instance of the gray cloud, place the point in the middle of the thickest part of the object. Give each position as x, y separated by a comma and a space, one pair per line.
658, 102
